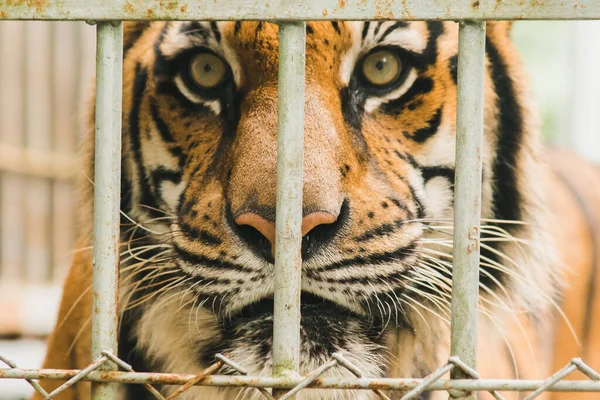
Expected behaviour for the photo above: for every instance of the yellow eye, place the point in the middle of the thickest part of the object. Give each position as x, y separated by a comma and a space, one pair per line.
381, 67
207, 70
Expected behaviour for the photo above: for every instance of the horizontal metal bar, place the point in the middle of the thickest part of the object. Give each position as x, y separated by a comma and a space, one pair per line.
298, 10
290, 382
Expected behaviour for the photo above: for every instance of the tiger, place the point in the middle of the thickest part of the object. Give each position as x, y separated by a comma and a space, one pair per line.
199, 150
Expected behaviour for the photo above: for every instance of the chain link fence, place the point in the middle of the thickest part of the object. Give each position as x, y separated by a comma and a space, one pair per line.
107, 368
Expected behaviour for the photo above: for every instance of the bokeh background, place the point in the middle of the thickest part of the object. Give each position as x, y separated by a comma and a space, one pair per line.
46, 70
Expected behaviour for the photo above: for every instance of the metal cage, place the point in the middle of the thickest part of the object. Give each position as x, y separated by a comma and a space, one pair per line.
290, 15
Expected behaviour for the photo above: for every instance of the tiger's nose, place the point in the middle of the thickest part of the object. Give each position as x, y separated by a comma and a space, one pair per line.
265, 244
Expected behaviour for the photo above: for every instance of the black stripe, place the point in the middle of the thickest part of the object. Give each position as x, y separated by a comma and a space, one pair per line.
212, 263
163, 128
215, 31
365, 30
139, 87
336, 27
160, 62
421, 135
126, 190
237, 27
421, 86
393, 28
381, 258
165, 133
193, 233
161, 174
259, 27
309, 29
427, 172
135, 31
408, 158
436, 29
398, 276
431, 172
453, 65
506, 197
132, 355
382, 230
377, 28
196, 29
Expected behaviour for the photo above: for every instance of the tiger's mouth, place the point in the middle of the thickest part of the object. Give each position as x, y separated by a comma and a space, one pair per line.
326, 327
311, 305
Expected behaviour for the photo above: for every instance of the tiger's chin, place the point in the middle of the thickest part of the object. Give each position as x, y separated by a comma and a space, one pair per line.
325, 328
247, 339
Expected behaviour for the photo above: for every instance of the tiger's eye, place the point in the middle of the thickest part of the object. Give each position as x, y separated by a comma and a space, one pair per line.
381, 67
207, 70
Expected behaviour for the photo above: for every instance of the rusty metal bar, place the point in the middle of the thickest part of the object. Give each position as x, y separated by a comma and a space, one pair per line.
288, 236
288, 383
107, 185
467, 199
285, 10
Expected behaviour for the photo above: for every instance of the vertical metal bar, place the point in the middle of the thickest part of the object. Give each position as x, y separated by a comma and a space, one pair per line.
288, 237
107, 174
467, 204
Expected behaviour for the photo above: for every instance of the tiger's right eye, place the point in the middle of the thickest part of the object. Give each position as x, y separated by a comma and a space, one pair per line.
207, 70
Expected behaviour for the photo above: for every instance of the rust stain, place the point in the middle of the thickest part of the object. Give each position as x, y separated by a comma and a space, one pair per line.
3, 14
406, 12
149, 13
473, 236
183, 8
129, 7
325, 12
168, 5
342, 3
37, 5
384, 9
475, 5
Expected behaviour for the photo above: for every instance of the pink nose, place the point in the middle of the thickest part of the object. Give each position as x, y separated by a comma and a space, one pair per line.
267, 228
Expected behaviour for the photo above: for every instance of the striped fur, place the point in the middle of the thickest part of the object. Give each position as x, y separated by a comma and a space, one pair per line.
377, 282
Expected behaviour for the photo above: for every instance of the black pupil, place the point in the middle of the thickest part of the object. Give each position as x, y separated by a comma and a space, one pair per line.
207, 68
380, 64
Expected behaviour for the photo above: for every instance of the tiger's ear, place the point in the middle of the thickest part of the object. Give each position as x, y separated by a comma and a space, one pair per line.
132, 31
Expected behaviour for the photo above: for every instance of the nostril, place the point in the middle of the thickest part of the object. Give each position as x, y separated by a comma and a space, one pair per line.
318, 228
261, 224
314, 219
258, 232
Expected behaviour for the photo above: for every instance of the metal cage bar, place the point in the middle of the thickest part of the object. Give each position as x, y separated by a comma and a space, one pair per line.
285, 10
107, 197
467, 196
288, 221
326, 383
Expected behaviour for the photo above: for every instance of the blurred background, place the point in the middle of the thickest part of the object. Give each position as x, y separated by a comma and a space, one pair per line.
46, 70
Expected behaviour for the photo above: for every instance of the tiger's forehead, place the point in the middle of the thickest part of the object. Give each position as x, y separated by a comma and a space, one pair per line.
251, 47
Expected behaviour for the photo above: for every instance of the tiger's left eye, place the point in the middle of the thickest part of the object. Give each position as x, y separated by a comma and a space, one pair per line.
207, 70
381, 67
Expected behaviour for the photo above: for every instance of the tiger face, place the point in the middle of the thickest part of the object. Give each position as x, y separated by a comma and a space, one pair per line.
199, 174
